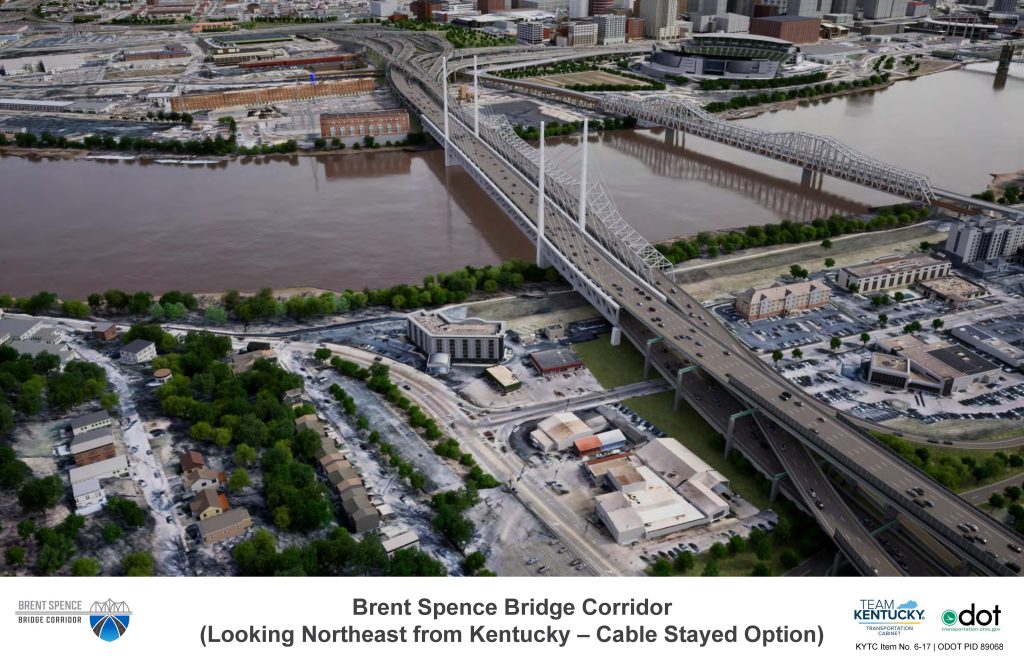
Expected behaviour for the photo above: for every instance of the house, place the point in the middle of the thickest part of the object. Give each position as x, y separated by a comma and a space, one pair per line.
294, 397
195, 480
104, 469
360, 515
92, 446
210, 502
396, 537
104, 332
138, 351
89, 496
225, 525
309, 422
244, 362
191, 460
91, 421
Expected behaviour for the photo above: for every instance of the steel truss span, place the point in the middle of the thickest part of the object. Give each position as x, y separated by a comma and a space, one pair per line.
822, 154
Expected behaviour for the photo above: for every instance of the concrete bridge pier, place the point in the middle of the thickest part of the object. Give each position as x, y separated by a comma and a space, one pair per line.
616, 335
811, 179
836, 561
775, 486
731, 429
648, 351
679, 385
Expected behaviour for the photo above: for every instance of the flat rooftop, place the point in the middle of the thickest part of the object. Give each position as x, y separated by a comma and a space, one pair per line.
892, 264
962, 360
883, 361
555, 358
440, 325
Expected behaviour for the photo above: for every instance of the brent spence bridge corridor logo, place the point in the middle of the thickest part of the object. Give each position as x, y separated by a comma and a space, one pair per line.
888, 617
108, 619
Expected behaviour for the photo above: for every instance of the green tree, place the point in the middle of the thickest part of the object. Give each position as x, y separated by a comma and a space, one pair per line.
797, 353
684, 562
26, 528
737, 545
137, 564
826, 244
865, 338
777, 356
789, 559
85, 566
75, 309
717, 551
829, 263
761, 570
475, 561
883, 319
899, 296
938, 324
783, 529
112, 533
109, 400
41, 494
997, 500
239, 481
661, 568
15, 556
710, 568
322, 354
797, 272
245, 455
1012, 493
835, 343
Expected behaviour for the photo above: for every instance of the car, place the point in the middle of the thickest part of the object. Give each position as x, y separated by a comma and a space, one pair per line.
142, 483
963, 528
974, 528
149, 452
1013, 566
785, 395
910, 491
726, 353
820, 505
1014, 547
918, 490
798, 403
700, 354
406, 387
932, 441
156, 474
170, 519
812, 493
928, 503
980, 539
919, 502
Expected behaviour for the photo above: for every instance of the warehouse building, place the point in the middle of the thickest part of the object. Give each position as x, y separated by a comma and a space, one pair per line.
892, 272
938, 368
392, 124
557, 360
990, 345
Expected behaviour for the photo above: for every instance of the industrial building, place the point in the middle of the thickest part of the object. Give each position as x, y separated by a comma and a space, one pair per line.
990, 345
892, 272
982, 239
468, 340
559, 432
952, 290
938, 368
503, 378
796, 29
255, 97
782, 299
352, 127
738, 56
93, 446
612, 440
556, 360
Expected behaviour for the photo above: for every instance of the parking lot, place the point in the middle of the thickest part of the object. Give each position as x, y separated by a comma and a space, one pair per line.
788, 332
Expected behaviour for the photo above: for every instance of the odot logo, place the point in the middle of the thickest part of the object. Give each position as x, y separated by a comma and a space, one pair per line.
109, 619
949, 617
971, 619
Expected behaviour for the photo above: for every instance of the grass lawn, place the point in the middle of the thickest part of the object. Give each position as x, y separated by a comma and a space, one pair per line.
612, 365
740, 564
698, 436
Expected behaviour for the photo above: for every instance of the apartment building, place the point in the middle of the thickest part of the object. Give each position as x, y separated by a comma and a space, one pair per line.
782, 299
892, 272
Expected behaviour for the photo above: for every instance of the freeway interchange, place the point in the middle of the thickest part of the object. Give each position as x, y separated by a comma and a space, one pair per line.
666, 316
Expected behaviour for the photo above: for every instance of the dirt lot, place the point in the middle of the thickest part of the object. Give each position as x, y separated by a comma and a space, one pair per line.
583, 78
529, 314
724, 277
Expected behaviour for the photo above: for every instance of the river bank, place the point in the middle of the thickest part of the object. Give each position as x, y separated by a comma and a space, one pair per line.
171, 158
929, 67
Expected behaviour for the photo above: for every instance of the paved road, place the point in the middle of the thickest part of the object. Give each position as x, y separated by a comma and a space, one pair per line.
693, 335
980, 495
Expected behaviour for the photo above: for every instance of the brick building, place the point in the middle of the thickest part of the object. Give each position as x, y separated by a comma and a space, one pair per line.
491, 6
268, 95
393, 122
635, 28
797, 29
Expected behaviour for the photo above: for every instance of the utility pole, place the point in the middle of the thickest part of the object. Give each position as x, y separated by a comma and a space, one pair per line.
476, 99
540, 203
583, 181
444, 99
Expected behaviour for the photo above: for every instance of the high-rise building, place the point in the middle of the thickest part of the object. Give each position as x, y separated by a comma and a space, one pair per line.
844, 7
601, 7
660, 17
1005, 6
382, 8
712, 7
899, 8
611, 29
579, 8
635, 28
878, 8
491, 6
743, 7
813, 8
530, 32
795, 29
982, 238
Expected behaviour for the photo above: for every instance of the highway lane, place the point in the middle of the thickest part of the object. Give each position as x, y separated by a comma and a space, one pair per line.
701, 339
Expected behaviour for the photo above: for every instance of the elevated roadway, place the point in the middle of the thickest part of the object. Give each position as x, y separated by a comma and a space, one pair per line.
590, 261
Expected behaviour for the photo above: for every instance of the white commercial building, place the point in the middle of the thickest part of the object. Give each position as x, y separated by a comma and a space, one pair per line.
530, 32
981, 239
89, 496
577, 34
611, 29
470, 339
91, 421
990, 345
892, 272
559, 431
732, 23
660, 18
138, 351
644, 507
382, 8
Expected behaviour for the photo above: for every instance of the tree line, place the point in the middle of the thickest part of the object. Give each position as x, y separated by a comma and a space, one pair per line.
954, 472
788, 232
746, 101
529, 132
714, 84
